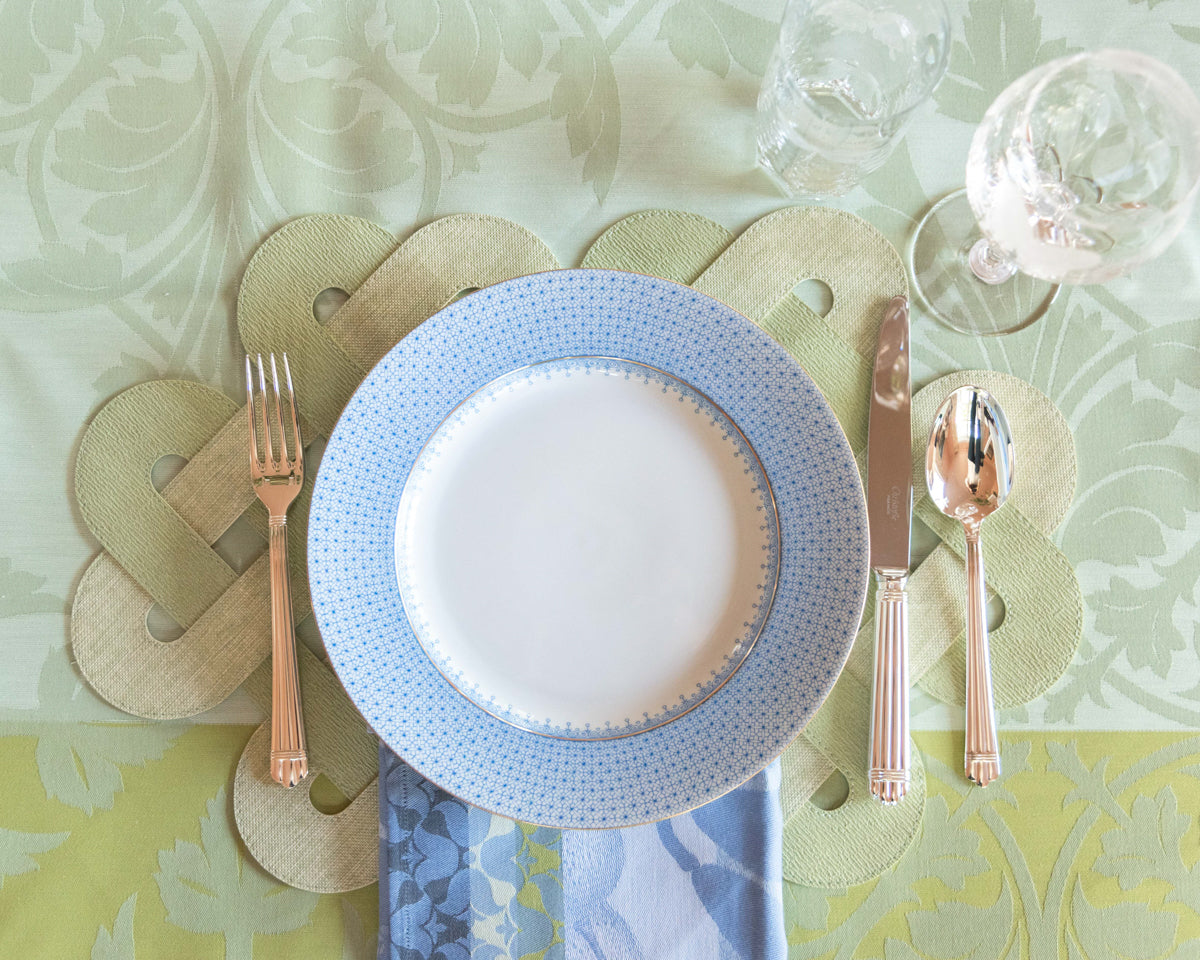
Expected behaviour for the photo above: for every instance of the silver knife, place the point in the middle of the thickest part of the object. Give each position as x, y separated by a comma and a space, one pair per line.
889, 518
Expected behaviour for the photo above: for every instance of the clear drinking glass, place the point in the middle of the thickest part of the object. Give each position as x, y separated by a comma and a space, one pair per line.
841, 85
1082, 170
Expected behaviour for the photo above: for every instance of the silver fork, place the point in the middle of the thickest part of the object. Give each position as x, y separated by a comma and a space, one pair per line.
277, 482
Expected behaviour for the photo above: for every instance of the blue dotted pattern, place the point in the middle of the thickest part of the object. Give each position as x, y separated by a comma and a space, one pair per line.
595, 783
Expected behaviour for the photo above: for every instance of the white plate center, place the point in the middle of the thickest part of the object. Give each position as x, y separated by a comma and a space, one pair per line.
587, 547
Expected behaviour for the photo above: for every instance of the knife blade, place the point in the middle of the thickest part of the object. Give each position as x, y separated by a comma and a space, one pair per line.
889, 520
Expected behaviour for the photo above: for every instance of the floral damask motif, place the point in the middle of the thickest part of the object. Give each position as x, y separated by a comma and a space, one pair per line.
117, 943
1001, 41
21, 592
135, 107
17, 848
585, 98
461, 883
213, 887
712, 34
186, 156
80, 763
465, 70
970, 889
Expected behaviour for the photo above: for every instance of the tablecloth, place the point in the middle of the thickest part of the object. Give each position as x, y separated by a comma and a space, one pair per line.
148, 146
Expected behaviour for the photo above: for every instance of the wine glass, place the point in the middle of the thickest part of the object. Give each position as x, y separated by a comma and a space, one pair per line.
1082, 170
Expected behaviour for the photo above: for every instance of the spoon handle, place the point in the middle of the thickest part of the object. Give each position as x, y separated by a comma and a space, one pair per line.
982, 743
888, 772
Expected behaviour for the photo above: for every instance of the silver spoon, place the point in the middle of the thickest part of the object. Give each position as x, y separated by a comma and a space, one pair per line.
969, 470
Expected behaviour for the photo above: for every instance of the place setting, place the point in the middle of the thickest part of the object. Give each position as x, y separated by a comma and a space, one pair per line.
637, 604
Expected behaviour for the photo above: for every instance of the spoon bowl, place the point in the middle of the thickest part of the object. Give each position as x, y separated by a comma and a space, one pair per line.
969, 462
969, 471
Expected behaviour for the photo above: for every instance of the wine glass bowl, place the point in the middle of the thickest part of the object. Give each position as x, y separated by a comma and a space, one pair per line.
1082, 170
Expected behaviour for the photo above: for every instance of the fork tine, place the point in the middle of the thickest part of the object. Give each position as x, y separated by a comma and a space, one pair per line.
283, 450
287, 375
266, 423
250, 412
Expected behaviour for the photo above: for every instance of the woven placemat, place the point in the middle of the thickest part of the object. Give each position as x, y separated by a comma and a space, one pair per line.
158, 546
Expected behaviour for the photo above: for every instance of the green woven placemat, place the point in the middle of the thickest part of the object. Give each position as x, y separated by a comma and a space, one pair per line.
159, 545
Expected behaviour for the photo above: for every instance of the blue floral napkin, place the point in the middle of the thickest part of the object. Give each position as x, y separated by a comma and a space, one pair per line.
456, 882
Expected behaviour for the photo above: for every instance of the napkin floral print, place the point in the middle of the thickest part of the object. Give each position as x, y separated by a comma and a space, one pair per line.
714, 873
458, 883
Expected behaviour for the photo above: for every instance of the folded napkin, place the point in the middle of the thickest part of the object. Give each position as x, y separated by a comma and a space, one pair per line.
456, 882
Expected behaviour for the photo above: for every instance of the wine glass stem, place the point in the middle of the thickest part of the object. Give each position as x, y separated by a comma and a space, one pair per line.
989, 265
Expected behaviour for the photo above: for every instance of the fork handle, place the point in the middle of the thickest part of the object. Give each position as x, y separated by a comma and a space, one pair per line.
289, 756
889, 762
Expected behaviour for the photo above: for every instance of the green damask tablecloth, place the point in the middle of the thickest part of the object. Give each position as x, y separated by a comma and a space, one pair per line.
147, 147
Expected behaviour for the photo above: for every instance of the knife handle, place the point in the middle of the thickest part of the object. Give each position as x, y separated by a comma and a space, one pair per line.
888, 770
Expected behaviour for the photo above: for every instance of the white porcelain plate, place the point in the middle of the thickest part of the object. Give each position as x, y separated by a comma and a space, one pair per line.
585, 547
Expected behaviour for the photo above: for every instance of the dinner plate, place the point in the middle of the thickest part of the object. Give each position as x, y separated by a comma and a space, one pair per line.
587, 548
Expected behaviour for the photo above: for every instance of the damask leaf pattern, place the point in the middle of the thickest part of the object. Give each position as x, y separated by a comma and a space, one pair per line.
472, 36
415, 23
117, 944
1149, 845
145, 29
955, 930
1001, 42
585, 95
1126, 610
807, 906
712, 34
1130, 510
63, 276
1113, 828
120, 154
21, 592
212, 887
353, 152
1127, 492
17, 849
30, 28
1124, 931
1089, 784
1159, 351
948, 854
328, 31
894, 949
1190, 34
80, 764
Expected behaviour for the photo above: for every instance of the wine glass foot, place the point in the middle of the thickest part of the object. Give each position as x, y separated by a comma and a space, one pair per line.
939, 257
